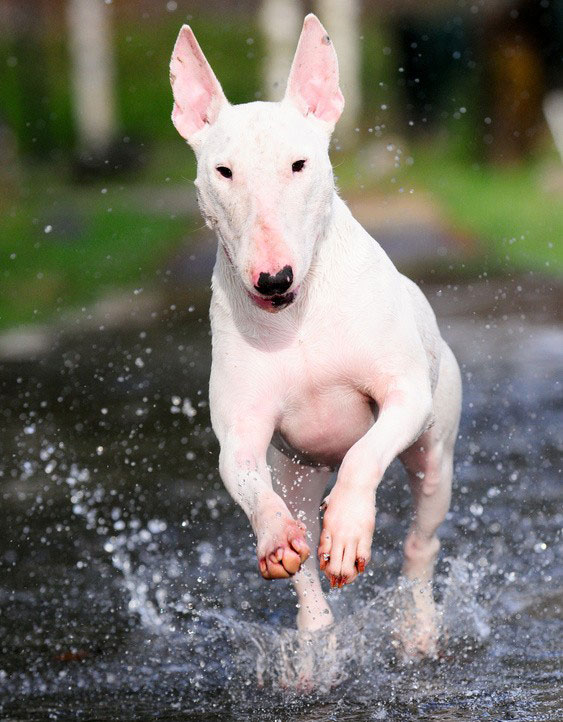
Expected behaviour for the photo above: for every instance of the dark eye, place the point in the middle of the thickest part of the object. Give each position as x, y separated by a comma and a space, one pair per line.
224, 171
298, 166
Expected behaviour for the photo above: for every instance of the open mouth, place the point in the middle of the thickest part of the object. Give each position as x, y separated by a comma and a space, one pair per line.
274, 303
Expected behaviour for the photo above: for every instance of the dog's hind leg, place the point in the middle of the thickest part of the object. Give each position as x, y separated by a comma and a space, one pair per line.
429, 464
302, 488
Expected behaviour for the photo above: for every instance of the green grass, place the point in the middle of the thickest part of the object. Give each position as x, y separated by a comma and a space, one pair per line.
515, 218
64, 248
510, 212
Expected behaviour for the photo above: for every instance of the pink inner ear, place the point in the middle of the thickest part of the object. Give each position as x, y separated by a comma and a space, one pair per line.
197, 93
321, 100
313, 80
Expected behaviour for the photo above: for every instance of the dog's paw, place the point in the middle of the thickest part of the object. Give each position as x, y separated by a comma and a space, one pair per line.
417, 622
345, 543
282, 546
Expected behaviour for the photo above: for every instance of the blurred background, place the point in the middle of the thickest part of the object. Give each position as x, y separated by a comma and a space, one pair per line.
449, 151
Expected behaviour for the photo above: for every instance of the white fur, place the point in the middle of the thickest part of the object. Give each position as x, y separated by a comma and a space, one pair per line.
350, 375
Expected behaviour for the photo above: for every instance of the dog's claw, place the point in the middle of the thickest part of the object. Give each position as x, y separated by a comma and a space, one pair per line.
297, 544
282, 547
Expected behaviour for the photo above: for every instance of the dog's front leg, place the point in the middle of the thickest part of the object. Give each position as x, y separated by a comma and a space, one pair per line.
281, 545
349, 520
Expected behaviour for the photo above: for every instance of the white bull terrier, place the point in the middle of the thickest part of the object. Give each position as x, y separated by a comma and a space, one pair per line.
324, 356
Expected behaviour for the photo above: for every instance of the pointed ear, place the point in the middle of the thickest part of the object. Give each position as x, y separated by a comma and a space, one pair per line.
198, 96
313, 79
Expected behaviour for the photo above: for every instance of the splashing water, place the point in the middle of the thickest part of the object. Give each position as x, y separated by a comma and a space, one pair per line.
128, 586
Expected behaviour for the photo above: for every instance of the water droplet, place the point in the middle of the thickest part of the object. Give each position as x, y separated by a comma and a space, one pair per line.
156, 526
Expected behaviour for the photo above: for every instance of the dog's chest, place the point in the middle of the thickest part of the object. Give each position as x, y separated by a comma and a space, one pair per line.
324, 410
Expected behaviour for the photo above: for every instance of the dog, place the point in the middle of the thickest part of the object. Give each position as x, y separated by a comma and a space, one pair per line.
325, 358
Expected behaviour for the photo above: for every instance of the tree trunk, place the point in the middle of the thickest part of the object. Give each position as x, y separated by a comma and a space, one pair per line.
92, 74
280, 21
341, 19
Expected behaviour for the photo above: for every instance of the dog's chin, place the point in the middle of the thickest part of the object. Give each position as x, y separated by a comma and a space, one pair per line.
273, 304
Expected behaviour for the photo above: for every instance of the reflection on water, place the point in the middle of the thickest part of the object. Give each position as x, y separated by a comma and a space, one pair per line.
128, 583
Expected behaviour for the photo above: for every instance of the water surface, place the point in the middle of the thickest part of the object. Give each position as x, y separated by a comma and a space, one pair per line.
128, 582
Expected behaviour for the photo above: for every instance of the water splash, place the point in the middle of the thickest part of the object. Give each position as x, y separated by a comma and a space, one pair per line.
258, 655
465, 618
127, 543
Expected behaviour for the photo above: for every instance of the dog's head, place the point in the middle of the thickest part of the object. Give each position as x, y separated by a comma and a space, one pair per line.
264, 178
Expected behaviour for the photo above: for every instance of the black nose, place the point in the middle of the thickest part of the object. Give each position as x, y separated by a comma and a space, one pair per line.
272, 285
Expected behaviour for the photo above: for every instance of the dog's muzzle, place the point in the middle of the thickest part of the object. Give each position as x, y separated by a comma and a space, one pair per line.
274, 303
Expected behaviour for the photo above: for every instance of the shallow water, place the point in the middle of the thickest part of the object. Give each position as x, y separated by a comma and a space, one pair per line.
128, 582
